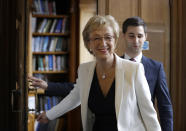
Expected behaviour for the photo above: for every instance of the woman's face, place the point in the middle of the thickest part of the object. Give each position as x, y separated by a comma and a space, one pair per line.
102, 42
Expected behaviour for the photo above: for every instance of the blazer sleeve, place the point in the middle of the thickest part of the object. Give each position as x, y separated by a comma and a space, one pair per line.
164, 101
71, 101
59, 89
145, 104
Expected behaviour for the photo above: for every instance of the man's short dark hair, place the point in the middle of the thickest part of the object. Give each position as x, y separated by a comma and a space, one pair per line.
133, 21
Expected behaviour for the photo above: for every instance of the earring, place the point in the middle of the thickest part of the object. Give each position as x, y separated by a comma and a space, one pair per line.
90, 51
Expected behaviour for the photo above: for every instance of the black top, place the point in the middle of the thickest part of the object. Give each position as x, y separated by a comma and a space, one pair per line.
102, 106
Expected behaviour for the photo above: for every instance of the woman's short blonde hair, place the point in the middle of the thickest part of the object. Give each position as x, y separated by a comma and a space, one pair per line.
97, 22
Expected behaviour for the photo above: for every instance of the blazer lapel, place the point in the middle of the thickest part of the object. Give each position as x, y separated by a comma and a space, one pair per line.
119, 78
85, 93
88, 80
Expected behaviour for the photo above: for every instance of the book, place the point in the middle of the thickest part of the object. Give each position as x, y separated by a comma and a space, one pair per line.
45, 44
47, 26
46, 63
48, 103
53, 44
50, 7
49, 43
46, 6
59, 44
42, 25
54, 100
58, 26
36, 8
65, 25
54, 62
53, 7
58, 63
40, 63
36, 43
50, 62
41, 43
43, 57
63, 63
41, 108
41, 6
53, 25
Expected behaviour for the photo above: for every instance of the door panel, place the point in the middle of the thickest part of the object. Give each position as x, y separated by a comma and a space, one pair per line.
157, 17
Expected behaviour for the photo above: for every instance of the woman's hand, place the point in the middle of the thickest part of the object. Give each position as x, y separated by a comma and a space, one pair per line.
37, 82
42, 118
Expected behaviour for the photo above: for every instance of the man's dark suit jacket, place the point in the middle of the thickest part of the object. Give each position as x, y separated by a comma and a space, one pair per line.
156, 79
59, 89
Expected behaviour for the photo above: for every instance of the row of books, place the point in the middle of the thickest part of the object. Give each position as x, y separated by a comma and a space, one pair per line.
44, 103
49, 63
44, 7
49, 44
47, 102
49, 25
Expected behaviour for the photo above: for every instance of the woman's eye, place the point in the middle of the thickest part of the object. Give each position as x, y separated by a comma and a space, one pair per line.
131, 36
96, 38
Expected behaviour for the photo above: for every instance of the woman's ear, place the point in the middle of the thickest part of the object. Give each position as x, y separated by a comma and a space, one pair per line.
89, 48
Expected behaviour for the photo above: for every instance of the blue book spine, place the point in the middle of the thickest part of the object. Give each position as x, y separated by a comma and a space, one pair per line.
48, 103
50, 62
45, 44
45, 103
59, 26
53, 101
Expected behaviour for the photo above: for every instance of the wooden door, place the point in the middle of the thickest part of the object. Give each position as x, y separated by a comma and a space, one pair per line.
19, 103
156, 14
12, 36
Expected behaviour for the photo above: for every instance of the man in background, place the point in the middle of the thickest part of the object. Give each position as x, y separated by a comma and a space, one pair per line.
135, 34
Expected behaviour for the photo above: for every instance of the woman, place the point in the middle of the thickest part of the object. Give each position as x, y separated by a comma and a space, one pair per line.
113, 93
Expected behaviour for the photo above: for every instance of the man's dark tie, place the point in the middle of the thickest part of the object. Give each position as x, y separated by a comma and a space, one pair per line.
132, 59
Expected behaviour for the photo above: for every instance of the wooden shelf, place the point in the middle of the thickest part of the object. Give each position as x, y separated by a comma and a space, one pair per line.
48, 16
50, 34
50, 53
36, 91
50, 72
66, 59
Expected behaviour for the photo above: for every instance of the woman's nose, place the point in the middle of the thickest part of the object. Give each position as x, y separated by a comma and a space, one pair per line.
103, 40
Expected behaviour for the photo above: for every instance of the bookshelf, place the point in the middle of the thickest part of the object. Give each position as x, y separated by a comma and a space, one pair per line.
52, 53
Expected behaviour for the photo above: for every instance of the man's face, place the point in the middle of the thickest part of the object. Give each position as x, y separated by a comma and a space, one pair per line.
134, 39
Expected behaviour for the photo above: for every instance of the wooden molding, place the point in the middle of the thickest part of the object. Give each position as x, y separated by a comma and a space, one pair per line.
178, 63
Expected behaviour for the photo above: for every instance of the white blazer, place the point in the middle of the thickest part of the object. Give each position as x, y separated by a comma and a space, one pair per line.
133, 106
